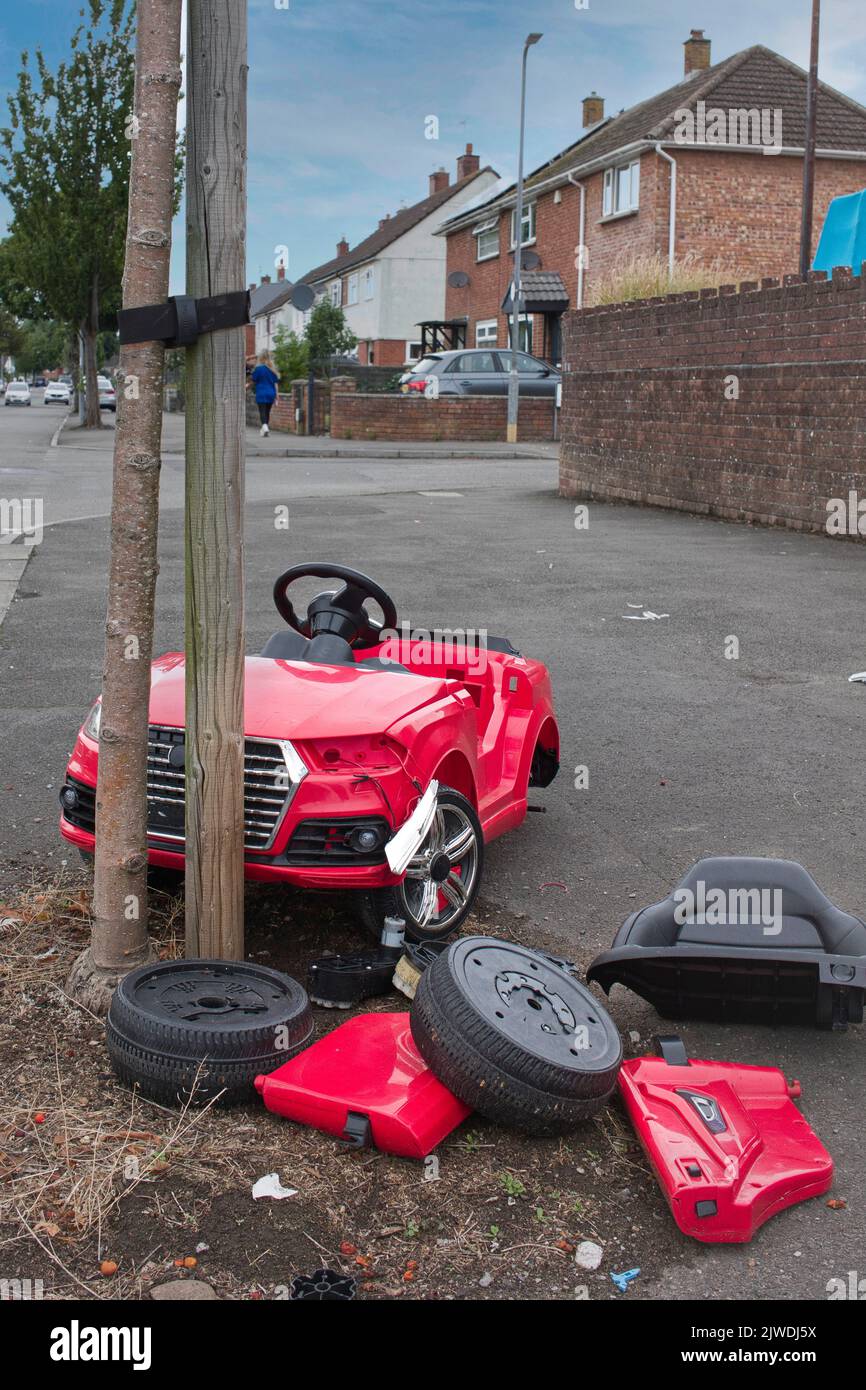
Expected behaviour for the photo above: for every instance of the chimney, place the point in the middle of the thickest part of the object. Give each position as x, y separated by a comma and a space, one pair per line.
281, 272
383, 221
266, 279
252, 286
593, 109
467, 164
697, 52
342, 247
439, 179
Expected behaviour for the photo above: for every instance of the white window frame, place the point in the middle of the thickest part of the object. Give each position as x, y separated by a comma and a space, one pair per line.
528, 221
487, 333
413, 350
484, 229
336, 293
352, 288
612, 205
369, 282
524, 332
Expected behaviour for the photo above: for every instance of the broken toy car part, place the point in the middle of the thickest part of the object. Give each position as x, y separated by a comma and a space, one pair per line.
515, 1035
366, 1083
803, 962
726, 1142
187, 1031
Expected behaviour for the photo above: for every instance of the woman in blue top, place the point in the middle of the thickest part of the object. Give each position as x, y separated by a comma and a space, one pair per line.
264, 382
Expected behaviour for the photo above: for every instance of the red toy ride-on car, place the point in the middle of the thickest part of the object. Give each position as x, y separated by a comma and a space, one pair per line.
377, 759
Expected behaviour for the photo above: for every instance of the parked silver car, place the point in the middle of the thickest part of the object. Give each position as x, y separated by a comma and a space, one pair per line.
56, 391
107, 394
17, 393
479, 372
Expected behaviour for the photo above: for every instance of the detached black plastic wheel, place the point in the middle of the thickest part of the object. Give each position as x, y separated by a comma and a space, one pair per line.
442, 880
193, 1028
515, 1036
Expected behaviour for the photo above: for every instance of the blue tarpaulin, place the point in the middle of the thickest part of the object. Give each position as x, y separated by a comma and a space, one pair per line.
843, 236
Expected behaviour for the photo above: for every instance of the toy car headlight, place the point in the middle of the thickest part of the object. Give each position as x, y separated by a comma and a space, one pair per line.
93, 721
366, 838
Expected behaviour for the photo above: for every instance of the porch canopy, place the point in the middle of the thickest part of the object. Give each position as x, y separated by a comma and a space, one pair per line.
442, 335
541, 292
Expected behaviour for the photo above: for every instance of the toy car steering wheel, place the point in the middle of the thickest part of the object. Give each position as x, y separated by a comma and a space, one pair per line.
341, 613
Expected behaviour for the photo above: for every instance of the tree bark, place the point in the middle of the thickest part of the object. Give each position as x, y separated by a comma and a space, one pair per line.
119, 940
215, 438
90, 332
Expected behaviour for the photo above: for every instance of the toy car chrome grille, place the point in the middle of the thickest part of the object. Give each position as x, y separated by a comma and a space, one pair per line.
272, 774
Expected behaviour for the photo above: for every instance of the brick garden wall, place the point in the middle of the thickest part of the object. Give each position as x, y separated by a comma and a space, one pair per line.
749, 405
478, 418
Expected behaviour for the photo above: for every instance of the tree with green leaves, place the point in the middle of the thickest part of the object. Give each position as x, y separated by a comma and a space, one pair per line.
291, 356
11, 336
64, 167
45, 346
328, 335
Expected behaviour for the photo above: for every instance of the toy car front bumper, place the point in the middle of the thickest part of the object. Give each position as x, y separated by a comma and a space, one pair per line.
259, 868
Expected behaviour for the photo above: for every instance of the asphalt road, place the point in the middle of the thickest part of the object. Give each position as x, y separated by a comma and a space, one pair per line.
688, 753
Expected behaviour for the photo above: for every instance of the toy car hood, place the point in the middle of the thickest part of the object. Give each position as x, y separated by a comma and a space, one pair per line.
305, 700
740, 938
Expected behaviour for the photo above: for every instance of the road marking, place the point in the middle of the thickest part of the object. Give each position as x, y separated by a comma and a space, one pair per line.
440, 493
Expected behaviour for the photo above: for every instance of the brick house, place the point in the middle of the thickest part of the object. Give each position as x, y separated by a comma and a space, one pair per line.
265, 299
713, 167
394, 279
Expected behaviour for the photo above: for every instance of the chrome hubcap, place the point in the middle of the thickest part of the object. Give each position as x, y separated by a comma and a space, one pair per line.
441, 877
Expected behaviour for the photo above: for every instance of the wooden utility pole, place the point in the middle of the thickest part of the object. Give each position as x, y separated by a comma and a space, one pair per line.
216, 77
119, 940
809, 151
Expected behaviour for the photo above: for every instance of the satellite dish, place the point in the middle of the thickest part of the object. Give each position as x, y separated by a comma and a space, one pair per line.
301, 296
458, 279
530, 260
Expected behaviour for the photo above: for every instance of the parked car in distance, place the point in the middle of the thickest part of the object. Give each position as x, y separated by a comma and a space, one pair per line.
56, 391
107, 394
17, 393
39, 381
480, 372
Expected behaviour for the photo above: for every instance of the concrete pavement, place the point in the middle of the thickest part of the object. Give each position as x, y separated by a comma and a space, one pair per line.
688, 752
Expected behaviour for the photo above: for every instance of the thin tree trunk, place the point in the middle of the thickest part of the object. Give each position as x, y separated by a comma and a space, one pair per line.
90, 330
119, 940
215, 437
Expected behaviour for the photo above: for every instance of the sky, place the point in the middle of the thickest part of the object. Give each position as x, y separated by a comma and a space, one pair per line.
340, 91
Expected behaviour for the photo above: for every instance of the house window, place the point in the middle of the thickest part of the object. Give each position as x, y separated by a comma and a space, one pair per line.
337, 293
621, 188
527, 227
524, 332
486, 333
413, 350
352, 289
368, 282
486, 239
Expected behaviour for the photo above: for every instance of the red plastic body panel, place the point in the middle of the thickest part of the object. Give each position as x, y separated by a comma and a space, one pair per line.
765, 1158
368, 1066
469, 719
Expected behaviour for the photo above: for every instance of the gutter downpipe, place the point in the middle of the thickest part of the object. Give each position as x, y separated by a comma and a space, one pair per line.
672, 212
581, 249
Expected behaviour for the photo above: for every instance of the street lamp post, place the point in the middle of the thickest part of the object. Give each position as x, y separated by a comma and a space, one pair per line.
513, 378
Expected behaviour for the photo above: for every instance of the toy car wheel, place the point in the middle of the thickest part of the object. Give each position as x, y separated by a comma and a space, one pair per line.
185, 1030
441, 881
515, 1036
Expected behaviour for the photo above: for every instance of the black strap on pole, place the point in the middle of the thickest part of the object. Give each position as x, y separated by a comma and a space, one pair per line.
182, 320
